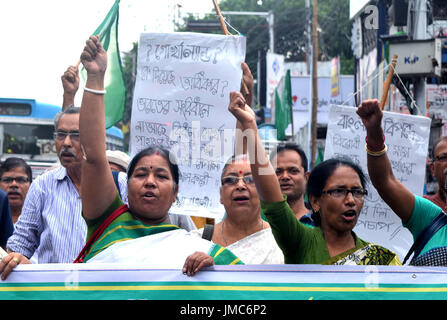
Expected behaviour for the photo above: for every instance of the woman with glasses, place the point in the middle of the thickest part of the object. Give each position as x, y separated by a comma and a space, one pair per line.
335, 189
415, 212
15, 179
242, 230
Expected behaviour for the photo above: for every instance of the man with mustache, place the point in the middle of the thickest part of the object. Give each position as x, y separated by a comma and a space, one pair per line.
15, 178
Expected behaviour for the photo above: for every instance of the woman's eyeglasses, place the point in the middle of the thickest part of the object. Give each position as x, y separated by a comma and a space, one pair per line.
342, 192
233, 180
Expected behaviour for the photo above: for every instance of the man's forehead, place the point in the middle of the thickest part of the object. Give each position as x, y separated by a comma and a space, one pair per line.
70, 120
441, 147
288, 158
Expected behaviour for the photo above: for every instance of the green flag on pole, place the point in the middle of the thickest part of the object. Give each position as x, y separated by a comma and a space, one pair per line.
283, 105
115, 97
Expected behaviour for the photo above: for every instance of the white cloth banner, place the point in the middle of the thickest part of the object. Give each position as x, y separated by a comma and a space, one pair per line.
181, 103
407, 139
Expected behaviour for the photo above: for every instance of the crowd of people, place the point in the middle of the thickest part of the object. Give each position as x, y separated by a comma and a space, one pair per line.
103, 206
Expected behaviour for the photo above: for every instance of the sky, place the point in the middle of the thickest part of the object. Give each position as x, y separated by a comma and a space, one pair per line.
39, 40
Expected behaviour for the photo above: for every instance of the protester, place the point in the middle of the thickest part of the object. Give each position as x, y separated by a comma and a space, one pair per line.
335, 189
242, 230
438, 168
138, 233
70, 84
290, 164
415, 212
15, 179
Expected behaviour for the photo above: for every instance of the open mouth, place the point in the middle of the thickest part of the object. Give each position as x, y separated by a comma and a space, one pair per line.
349, 215
149, 196
286, 186
67, 155
241, 199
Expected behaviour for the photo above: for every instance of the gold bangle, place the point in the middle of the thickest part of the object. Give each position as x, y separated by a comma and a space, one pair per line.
376, 153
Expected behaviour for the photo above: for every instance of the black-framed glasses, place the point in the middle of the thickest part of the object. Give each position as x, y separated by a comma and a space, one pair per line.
441, 158
19, 180
61, 135
343, 192
233, 180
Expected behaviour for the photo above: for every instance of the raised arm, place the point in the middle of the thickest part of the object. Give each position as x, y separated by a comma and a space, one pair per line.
247, 78
266, 182
97, 184
390, 189
70, 83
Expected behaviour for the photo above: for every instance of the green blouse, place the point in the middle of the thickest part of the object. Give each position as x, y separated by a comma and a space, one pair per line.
301, 243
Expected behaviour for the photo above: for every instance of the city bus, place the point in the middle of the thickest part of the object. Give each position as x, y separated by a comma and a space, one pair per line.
26, 131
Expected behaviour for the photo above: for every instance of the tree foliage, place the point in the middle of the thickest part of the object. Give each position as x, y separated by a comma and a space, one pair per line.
291, 20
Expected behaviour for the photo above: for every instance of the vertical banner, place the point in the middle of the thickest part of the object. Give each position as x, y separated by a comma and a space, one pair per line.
335, 77
275, 71
180, 103
407, 140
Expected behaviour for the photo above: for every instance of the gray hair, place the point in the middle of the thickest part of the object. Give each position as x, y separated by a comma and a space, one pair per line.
70, 110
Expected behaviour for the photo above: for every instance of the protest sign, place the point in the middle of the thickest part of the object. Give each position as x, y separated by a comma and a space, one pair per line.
180, 103
407, 140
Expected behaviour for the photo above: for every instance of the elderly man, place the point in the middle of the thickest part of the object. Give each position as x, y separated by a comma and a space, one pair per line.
51, 223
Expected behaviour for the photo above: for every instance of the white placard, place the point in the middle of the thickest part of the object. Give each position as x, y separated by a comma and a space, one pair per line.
181, 103
407, 139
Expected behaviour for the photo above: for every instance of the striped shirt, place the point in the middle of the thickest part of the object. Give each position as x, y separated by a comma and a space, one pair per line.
51, 223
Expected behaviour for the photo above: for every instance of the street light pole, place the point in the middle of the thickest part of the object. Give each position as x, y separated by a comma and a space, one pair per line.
314, 81
419, 12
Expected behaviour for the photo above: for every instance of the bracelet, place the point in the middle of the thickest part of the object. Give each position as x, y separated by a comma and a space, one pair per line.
376, 153
374, 147
95, 91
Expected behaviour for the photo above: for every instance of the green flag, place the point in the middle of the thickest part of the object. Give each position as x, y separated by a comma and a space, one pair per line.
320, 156
114, 80
283, 105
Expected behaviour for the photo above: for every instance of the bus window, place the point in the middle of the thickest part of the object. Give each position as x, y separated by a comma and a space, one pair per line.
29, 139
15, 109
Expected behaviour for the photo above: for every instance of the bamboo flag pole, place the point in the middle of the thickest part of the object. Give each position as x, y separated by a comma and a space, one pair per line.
387, 84
225, 31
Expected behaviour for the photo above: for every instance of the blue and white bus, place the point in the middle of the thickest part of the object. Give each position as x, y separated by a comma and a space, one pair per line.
26, 131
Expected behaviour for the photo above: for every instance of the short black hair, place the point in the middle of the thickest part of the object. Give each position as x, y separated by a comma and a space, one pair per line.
15, 162
284, 146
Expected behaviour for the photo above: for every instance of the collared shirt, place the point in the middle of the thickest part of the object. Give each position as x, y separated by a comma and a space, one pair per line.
51, 223
437, 199
307, 219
